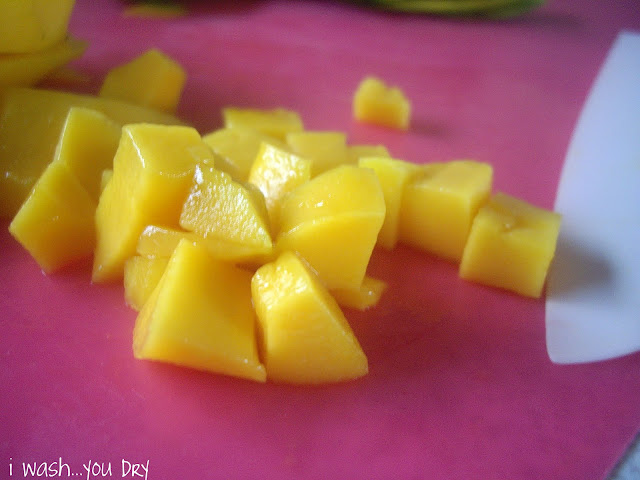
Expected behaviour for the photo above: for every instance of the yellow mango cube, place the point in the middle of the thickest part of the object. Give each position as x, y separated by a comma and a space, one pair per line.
333, 221
277, 122
356, 152
305, 338
439, 204
375, 102
232, 218
366, 296
200, 316
33, 25
157, 241
152, 172
56, 222
26, 152
237, 148
277, 172
393, 176
152, 79
326, 150
511, 245
27, 69
141, 276
87, 145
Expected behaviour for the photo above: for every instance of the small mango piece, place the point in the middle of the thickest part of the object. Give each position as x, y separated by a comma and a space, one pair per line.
305, 338
374, 102
511, 245
200, 316
325, 149
141, 276
152, 172
439, 204
366, 296
356, 152
56, 222
237, 148
157, 241
333, 221
277, 122
153, 79
231, 218
393, 176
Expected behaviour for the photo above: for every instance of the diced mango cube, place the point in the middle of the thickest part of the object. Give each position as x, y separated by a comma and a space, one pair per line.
356, 152
237, 148
232, 218
277, 172
305, 337
152, 79
200, 315
276, 122
152, 172
56, 222
141, 276
333, 221
439, 204
393, 176
157, 241
511, 245
325, 149
366, 296
374, 102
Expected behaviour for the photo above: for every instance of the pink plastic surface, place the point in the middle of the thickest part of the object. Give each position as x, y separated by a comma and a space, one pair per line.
460, 384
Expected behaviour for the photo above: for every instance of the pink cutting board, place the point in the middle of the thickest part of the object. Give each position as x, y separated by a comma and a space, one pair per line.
460, 384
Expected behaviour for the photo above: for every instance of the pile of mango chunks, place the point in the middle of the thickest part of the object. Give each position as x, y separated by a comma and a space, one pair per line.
242, 248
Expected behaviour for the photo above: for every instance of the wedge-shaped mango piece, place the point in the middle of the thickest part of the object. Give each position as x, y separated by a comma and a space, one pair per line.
325, 149
393, 176
152, 79
55, 224
374, 102
200, 316
305, 338
232, 218
26, 152
157, 241
237, 148
152, 172
87, 145
26, 69
333, 221
277, 172
366, 296
276, 122
141, 276
356, 152
511, 245
439, 204
33, 25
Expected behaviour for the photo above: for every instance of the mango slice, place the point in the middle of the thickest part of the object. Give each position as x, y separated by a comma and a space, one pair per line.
305, 338
153, 79
277, 122
440, 203
374, 102
366, 296
393, 176
231, 218
511, 245
325, 149
55, 223
200, 316
26, 152
27, 69
33, 25
141, 276
152, 172
333, 221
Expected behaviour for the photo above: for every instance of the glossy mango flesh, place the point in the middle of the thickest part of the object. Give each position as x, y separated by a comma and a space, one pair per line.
200, 316
376, 103
366, 296
141, 276
439, 204
305, 337
26, 152
153, 169
152, 79
157, 241
511, 245
277, 122
326, 150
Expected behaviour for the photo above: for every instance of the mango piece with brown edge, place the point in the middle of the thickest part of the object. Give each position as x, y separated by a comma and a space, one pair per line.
26, 152
152, 172
200, 315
